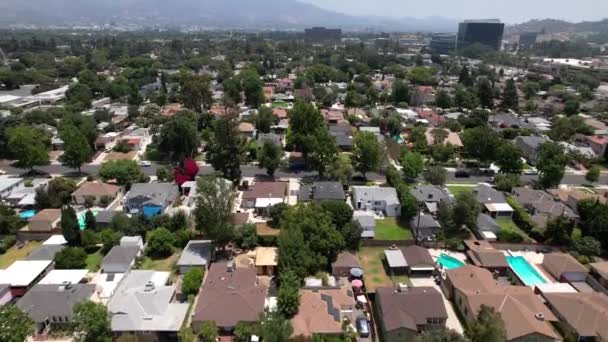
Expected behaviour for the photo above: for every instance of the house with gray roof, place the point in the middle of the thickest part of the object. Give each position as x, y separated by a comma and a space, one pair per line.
321, 191
342, 133
150, 198
493, 202
103, 219
120, 259
144, 305
500, 121
487, 227
45, 252
541, 205
430, 195
529, 145
367, 222
54, 304
374, 198
424, 227
197, 253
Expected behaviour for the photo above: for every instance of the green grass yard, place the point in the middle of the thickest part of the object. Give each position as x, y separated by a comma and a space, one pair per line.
457, 189
94, 261
509, 225
374, 270
13, 254
391, 229
161, 265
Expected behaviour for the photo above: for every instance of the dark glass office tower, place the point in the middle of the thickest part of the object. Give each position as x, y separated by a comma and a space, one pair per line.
486, 32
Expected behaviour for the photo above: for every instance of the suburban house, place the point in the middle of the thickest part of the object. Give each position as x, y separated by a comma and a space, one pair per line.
150, 198
104, 218
227, 288
323, 311
247, 130
424, 227
263, 195
572, 196
53, 305
321, 191
600, 271
432, 117
266, 261
342, 133
373, 198
46, 220
525, 316
564, 267
197, 253
430, 195
482, 254
487, 227
584, 313
272, 138
598, 143
529, 145
493, 202
406, 311
451, 138
59, 277
21, 275
542, 206
367, 221
500, 121
418, 259
45, 252
96, 192
121, 258
8, 184
106, 141
345, 261
144, 305
23, 196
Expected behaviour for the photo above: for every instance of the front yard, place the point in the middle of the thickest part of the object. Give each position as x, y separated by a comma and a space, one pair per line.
392, 229
374, 269
13, 254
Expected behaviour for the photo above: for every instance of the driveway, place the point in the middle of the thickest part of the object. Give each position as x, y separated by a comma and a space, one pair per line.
453, 322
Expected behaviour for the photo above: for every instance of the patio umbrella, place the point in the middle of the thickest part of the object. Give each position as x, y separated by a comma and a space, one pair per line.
357, 283
356, 272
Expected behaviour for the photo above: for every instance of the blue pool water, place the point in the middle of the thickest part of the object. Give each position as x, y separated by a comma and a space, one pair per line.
448, 262
28, 214
81, 218
525, 271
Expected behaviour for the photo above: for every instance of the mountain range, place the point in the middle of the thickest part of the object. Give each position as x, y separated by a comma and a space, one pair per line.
558, 26
245, 14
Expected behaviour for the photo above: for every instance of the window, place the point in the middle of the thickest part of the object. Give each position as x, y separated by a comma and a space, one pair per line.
377, 203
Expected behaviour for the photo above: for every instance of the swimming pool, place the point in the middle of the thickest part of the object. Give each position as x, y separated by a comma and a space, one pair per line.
524, 271
449, 262
82, 218
28, 214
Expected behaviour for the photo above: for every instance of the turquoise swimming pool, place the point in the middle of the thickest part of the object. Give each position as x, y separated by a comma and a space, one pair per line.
524, 271
81, 218
448, 262
28, 214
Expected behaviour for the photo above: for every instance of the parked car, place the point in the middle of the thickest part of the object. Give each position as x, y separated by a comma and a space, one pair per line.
144, 163
2, 172
363, 327
462, 174
531, 172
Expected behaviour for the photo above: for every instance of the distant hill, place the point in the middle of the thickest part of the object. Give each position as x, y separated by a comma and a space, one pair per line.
558, 26
249, 14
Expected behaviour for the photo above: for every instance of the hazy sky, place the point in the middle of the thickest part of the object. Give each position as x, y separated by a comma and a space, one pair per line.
510, 11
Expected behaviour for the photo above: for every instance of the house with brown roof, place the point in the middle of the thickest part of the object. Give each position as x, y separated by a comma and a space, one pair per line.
246, 129
585, 314
418, 259
525, 316
481, 253
266, 260
344, 263
263, 195
45, 220
600, 271
451, 138
405, 312
322, 311
229, 295
564, 267
96, 192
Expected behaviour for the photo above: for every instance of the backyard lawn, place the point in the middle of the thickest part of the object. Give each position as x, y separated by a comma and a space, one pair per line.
509, 225
13, 254
94, 261
374, 271
456, 189
391, 229
162, 265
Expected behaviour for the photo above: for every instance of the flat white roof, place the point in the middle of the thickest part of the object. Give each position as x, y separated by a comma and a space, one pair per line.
395, 258
267, 202
57, 277
55, 240
494, 207
556, 288
107, 284
8, 98
489, 235
23, 272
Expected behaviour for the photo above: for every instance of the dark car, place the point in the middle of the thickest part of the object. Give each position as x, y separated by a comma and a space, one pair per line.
363, 326
462, 174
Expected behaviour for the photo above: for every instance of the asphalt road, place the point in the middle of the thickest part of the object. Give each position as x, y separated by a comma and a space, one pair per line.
253, 171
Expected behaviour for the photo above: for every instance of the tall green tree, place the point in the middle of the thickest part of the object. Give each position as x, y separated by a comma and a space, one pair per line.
90, 221
71, 258
320, 150
412, 164
92, 322
551, 164
288, 298
159, 242
465, 77
76, 150
341, 169
401, 92
510, 99
29, 145
193, 278
225, 148
368, 154
125, 172
69, 226
270, 157
253, 88
481, 143
196, 93
436, 175
508, 158
467, 208
304, 120
79, 95
265, 119
593, 175
559, 230
233, 89
15, 325
489, 326
275, 328
214, 206
485, 92
443, 99
208, 331
179, 138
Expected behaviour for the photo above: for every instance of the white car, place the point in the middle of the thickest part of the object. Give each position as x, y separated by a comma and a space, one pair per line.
2, 172
531, 172
144, 163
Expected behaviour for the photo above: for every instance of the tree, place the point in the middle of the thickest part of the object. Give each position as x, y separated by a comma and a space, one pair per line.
559, 230
440, 335
270, 156
320, 150
506, 182
159, 242
196, 93
214, 206
593, 175
489, 326
587, 246
164, 174
125, 172
439, 135
401, 92
15, 325
9, 220
412, 165
192, 281
465, 77
510, 99
275, 328
409, 205
341, 169
232, 89
71, 258
572, 107
276, 212
151, 111
351, 233
246, 236
109, 238
92, 322
76, 149
368, 153
481, 143
264, 120
179, 138
208, 331
304, 120
594, 219
485, 92
253, 88
69, 226
465, 99
89, 221
225, 148
288, 298
551, 164
467, 208
79, 95
508, 158
436, 175
29, 145
443, 99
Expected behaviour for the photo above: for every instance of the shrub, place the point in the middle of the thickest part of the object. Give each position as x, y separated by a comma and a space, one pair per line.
71, 258
192, 281
509, 236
